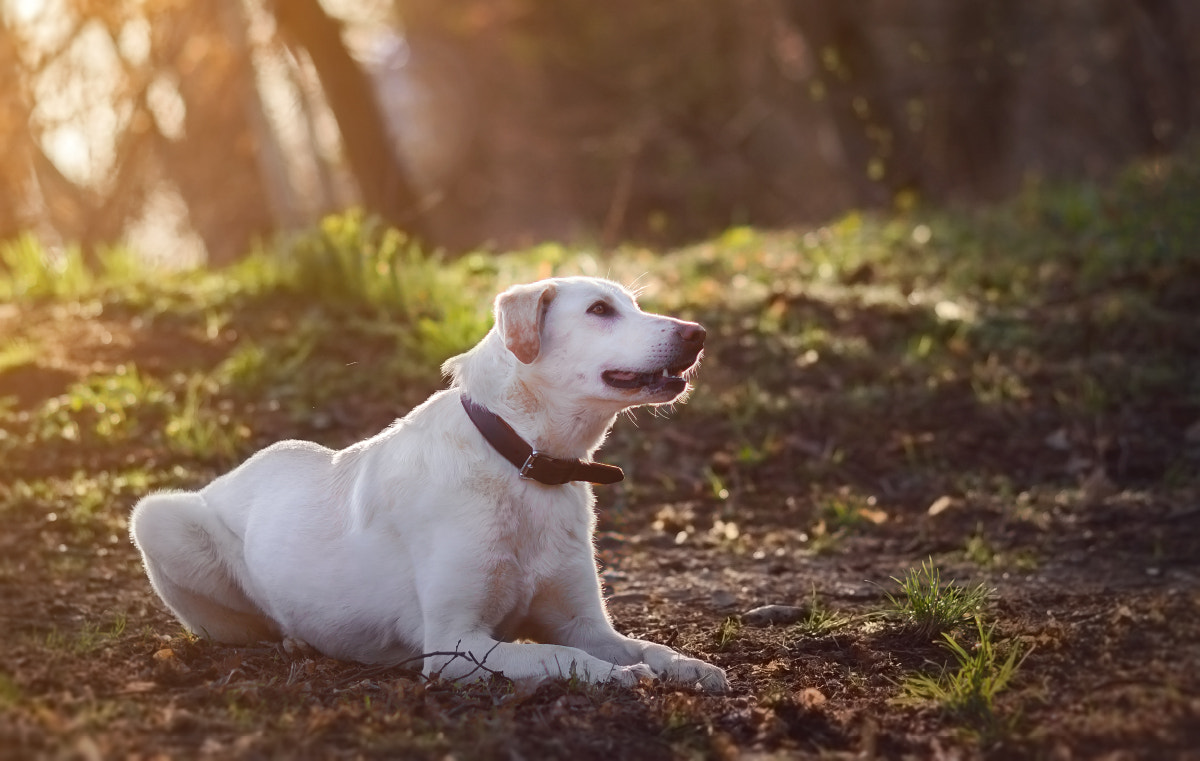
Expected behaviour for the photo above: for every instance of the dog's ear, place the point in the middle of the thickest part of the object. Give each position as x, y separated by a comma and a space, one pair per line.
520, 317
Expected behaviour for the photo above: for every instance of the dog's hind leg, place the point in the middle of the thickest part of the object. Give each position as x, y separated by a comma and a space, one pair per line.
193, 559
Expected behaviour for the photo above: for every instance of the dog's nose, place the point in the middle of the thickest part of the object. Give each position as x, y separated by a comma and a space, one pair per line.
692, 333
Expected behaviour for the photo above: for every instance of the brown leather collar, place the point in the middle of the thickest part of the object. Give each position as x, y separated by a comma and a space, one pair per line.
530, 463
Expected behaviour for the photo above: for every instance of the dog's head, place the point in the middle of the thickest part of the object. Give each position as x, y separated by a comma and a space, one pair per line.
589, 337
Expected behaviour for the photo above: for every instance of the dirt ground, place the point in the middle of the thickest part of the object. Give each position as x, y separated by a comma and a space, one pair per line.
1097, 577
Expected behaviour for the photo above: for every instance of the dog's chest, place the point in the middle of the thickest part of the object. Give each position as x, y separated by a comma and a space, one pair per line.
537, 542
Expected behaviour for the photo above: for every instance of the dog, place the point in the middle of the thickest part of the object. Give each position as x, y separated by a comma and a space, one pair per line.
459, 530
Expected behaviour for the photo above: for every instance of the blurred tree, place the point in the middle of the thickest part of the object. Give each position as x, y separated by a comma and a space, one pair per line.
372, 154
980, 56
14, 139
540, 119
1155, 48
853, 81
37, 193
227, 200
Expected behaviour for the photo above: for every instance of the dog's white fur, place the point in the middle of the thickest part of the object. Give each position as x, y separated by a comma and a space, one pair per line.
423, 540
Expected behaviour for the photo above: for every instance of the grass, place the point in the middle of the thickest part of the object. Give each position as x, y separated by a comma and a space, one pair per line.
84, 509
16, 353
728, 632
856, 373
90, 637
820, 619
353, 262
984, 553
35, 272
10, 692
927, 607
107, 407
194, 429
967, 692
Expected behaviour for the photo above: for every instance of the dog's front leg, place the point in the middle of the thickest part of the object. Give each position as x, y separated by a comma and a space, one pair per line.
573, 615
459, 641
598, 637
477, 656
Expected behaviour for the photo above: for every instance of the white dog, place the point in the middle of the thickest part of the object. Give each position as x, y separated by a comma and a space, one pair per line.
444, 536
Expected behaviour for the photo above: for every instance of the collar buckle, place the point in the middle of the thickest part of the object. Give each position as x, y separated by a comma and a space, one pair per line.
534, 459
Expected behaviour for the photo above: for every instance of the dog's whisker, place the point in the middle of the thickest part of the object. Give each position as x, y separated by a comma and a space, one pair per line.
635, 288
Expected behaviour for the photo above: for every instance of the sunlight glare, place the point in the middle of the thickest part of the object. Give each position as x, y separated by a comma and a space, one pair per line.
67, 147
26, 10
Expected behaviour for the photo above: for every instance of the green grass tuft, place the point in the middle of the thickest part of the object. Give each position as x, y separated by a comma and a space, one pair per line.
927, 607
17, 352
728, 632
10, 691
821, 619
32, 272
967, 693
90, 637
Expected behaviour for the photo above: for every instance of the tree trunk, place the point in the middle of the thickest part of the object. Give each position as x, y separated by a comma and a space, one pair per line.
879, 154
214, 164
979, 104
1155, 51
14, 139
77, 214
383, 182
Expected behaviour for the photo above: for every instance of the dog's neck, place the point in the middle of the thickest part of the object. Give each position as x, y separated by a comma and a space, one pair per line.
560, 427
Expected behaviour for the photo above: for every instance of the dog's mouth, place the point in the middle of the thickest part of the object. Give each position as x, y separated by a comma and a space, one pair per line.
657, 381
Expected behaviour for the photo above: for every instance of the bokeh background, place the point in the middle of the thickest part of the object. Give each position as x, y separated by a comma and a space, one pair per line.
189, 130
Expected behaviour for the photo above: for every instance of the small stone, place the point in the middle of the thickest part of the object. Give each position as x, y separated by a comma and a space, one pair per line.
766, 615
1059, 440
723, 599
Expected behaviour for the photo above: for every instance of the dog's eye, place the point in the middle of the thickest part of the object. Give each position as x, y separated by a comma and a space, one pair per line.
601, 308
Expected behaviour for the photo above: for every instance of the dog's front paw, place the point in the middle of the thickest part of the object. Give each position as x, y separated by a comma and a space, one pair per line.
297, 649
628, 676
693, 671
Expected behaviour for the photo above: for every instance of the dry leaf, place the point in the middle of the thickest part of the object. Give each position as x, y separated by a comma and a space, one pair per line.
136, 688
941, 505
811, 698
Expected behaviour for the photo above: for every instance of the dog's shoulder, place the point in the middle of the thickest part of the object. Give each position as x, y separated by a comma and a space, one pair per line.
424, 452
